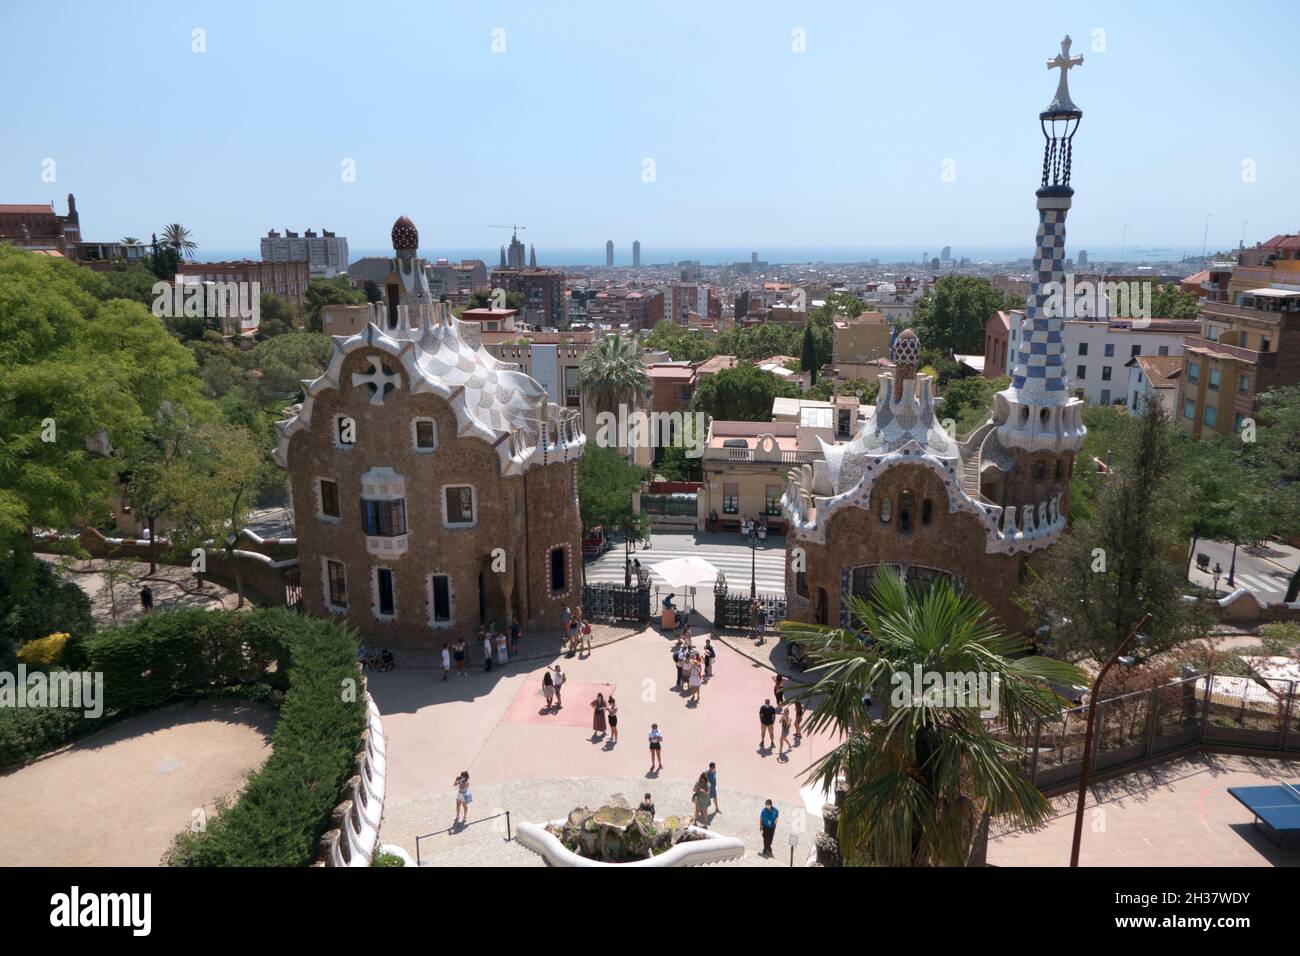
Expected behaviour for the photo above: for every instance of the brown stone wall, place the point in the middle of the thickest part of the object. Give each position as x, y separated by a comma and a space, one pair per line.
504, 519
1020, 487
951, 542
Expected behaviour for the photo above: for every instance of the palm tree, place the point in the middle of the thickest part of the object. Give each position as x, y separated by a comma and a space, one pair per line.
129, 240
613, 373
923, 781
177, 238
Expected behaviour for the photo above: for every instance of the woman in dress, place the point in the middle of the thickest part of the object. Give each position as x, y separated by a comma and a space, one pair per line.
548, 689
785, 732
458, 652
696, 678
598, 716
612, 708
778, 689
700, 797
463, 797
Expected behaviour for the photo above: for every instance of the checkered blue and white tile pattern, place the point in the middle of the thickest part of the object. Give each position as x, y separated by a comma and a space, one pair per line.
1040, 364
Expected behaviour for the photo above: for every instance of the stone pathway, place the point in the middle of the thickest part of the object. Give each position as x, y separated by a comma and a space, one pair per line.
114, 587
484, 843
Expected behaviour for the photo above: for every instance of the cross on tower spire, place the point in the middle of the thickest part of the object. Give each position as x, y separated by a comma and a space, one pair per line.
1063, 62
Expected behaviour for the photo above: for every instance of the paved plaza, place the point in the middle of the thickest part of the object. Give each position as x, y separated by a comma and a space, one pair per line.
1177, 813
119, 797
1264, 570
540, 764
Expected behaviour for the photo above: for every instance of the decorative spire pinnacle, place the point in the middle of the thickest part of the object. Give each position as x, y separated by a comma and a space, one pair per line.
1062, 103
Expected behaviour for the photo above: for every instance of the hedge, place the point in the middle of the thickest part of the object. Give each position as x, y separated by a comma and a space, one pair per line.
173, 655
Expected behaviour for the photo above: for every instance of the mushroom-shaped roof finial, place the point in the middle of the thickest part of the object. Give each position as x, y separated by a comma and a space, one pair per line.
405, 236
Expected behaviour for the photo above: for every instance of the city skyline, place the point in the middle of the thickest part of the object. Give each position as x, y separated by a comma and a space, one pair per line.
751, 144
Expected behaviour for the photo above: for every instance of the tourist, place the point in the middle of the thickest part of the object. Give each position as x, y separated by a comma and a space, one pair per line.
487, 651
656, 748
586, 635
700, 799
686, 630
559, 687
548, 689
767, 823
516, 633
386, 660
458, 652
648, 805
697, 672
762, 625
713, 786
677, 660
798, 720
565, 615
612, 708
785, 731
146, 599
778, 689
446, 662
710, 652
598, 716
502, 659
766, 724
463, 797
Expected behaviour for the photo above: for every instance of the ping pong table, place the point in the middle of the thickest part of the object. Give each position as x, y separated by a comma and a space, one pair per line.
1276, 808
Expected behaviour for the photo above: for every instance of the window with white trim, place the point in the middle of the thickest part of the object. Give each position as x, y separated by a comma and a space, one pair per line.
459, 507
336, 585
424, 434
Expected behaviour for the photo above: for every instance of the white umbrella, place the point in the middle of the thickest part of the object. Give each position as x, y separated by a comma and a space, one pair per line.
685, 572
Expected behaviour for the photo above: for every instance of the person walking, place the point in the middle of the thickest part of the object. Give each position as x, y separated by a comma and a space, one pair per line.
586, 635
696, 678
458, 652
146, 599
710, 652
656, 748
778, 689
612, 708
487, 651
798, 720
700, 800
713, 786
677, 661
502, 657
766, 724
463, 797
446, 662
548, 689
559, 680
598, 716
767, 824
565, 616
516, 632
785, 731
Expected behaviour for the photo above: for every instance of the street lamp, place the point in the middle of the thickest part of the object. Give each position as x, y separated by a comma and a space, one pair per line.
1232, 567
1092, 717
753, 562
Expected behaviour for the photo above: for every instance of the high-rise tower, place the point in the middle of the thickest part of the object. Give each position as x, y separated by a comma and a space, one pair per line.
636, 254
609, 252
1037, 413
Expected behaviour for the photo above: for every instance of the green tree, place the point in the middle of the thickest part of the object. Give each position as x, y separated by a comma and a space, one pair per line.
952, 314
612, 373
1170, 302
968, 401
227, 474
1125, 560
923, 780
177, 238
740, 394
322, 292
808, 355
77, 377
278, 316
1274, 461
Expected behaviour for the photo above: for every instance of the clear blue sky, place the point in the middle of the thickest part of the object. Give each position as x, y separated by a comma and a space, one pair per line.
754, 144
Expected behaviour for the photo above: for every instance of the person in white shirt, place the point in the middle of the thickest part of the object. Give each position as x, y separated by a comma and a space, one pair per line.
559, 686
446, 662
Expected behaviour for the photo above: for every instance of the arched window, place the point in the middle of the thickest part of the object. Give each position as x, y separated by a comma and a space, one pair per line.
906, 508
927, 511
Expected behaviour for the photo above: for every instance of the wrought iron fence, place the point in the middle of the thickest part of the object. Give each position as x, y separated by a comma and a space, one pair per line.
735, 610
1215, 712
608, 602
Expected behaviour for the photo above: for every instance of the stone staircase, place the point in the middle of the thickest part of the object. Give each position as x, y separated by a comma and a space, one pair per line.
970, 478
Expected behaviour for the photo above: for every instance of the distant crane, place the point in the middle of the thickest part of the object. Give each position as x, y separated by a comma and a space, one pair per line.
513, 227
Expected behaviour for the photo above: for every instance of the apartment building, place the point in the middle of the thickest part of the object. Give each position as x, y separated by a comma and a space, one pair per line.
326, 253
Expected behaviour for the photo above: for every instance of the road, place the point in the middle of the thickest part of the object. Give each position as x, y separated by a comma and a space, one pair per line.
1264, 571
